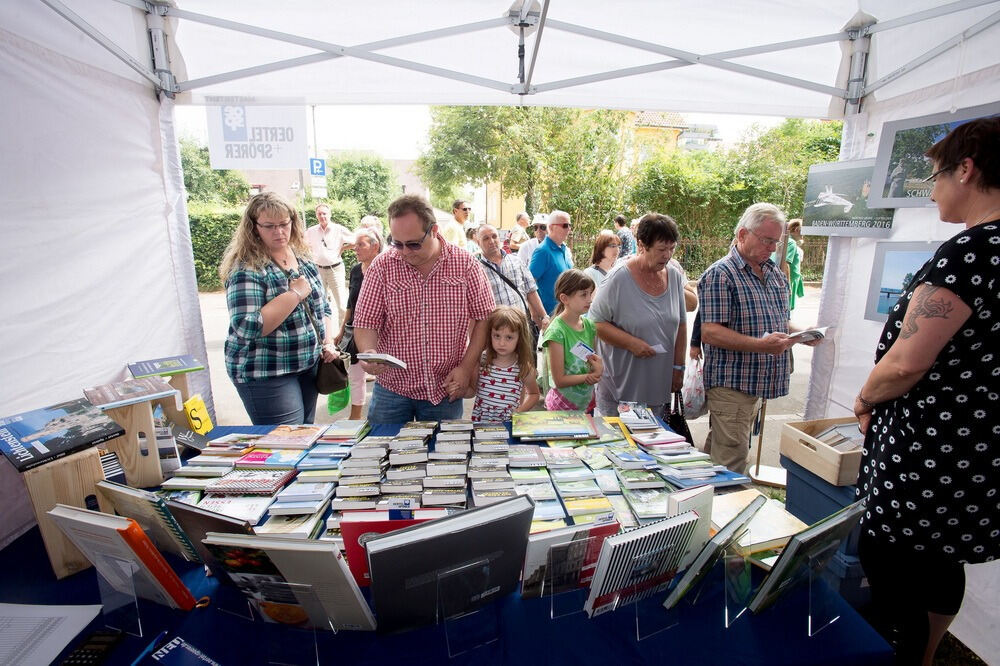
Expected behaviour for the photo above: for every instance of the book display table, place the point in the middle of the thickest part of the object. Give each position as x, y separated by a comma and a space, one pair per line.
527, 633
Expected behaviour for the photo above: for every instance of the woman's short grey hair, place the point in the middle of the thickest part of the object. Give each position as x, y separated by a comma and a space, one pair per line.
371, 234
757, 214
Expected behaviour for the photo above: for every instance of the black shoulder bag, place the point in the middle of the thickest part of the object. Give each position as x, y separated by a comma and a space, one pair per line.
531, 323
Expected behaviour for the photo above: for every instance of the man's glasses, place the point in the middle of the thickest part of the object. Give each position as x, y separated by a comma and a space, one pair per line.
565, 225
933, 176
409, 245
466, 209
271, 228
765, 239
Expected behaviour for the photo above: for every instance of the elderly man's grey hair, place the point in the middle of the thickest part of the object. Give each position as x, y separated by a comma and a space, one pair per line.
758, 214
558, 214
371, 234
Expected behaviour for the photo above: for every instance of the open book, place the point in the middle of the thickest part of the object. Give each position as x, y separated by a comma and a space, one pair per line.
809, 335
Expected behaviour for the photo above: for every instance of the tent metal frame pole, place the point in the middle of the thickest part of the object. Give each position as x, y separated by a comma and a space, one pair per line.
926, 14
674, 64
319, 57
534, 49
698, 59
355, 52
99, 37
934, 52
161, 56
857, 74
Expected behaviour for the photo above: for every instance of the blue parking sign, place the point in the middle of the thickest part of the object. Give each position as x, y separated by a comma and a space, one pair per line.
317, 166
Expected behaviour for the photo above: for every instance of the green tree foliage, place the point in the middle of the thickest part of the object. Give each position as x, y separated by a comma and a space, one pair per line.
365, 179
207, 185
212, 227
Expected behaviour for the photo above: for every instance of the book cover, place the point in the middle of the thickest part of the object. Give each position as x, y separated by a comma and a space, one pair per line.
151, 512
165, 367
251, 482
809, 550
711, 551
197, 522
572, 551
292, 526
250, 508
563, 456
720, 479
549, 510
363, 526
36, 437
698, 500
543, 425
178, 652
647, 502
772, 526
291, 437
125, 557
322, 594
386, 359
128, 392
578, 506
639, 563
270, 459
466, 561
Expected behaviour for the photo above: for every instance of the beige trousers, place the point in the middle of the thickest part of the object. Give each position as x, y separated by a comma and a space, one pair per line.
333, 280
730, 420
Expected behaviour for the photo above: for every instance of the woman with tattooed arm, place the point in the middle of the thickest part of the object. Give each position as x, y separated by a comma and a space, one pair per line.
931, 467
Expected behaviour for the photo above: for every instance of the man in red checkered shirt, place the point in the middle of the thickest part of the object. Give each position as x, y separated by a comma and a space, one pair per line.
425, 302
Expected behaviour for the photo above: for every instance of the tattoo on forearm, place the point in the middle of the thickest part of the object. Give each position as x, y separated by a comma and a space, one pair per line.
925, 306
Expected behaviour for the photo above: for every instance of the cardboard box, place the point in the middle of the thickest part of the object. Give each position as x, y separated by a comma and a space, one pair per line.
798, 442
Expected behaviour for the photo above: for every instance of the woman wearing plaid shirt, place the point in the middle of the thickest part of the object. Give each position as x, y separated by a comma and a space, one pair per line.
279, 319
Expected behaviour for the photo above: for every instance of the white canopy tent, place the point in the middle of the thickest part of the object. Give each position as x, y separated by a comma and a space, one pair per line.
99, 268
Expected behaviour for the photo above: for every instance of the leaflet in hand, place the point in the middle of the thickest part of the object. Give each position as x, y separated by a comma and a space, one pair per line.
809, 335
388, 359
582, 351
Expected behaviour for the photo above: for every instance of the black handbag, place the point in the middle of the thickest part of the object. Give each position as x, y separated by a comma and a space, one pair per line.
331, 377
675, 417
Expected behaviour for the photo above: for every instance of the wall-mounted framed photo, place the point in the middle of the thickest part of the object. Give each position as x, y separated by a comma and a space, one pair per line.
894, 266
836, 202
900, 165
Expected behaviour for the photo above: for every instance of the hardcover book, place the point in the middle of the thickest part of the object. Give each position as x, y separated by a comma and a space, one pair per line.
165, 367
108, 541
698, 500
34, 438
197, 522
810, 549
648, 502
720, 479
572, 550
323, 592
637, 564
250, 508
771, 527
292, 526
578, 506
151, 512
466, 560
270, 459
710, 553
358, 527
128, 392
251, 482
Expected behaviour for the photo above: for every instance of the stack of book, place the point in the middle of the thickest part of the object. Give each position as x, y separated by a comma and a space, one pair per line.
261, 458
298, 437
361, 475
637, 417
345, 430
544, 426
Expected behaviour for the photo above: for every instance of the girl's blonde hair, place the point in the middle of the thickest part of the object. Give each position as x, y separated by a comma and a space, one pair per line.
511, 318
246, 249
570, 282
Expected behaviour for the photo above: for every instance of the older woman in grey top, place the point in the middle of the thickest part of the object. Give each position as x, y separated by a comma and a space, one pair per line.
640, 316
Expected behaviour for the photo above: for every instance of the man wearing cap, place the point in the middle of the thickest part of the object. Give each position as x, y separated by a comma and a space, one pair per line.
327, 240
551, 258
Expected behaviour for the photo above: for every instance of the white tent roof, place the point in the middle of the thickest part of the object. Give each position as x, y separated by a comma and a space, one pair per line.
743, 56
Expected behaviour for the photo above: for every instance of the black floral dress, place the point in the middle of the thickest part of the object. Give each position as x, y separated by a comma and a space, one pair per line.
931, 466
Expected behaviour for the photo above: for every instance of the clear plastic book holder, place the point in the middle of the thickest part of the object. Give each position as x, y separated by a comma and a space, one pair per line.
822, 610
288, 617
459, 593
119, 602
737, 581
569, 569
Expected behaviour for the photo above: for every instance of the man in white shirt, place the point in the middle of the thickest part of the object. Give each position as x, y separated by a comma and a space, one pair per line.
327, 241
519, 234
528, 246
453, 230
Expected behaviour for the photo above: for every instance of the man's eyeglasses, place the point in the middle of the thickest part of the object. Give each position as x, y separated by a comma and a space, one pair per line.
566, 225
271, 228
765, 239
409, 245
465, 209
933, 176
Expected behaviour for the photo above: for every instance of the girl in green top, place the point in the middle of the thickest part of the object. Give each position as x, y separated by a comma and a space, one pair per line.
572, 378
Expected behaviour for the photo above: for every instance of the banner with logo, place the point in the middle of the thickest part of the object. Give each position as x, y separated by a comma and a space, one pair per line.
245, 136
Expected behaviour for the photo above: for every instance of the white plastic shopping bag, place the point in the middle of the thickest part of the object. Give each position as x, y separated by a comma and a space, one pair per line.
694, 390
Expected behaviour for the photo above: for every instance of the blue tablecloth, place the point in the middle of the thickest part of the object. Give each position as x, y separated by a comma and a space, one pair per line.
527, 635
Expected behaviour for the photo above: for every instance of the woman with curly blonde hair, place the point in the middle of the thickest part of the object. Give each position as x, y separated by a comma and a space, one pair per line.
279, 319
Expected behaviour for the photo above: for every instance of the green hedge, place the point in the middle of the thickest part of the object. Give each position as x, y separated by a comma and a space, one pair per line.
212, 228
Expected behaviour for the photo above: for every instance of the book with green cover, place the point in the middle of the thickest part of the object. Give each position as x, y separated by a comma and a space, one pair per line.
165, 367
151, 512
552, 425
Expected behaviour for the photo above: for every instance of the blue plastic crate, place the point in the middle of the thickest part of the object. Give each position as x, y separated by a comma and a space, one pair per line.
810, 498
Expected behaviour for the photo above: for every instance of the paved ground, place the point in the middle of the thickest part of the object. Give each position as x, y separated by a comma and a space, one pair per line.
229, 410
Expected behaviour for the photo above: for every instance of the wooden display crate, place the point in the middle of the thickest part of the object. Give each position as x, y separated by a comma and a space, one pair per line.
799, 443
71, 480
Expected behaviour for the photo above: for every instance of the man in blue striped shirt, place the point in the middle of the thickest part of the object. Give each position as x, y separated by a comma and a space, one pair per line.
745, 327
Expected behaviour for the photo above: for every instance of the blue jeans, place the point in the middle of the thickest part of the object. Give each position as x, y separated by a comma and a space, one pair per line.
288, 399
390, 407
